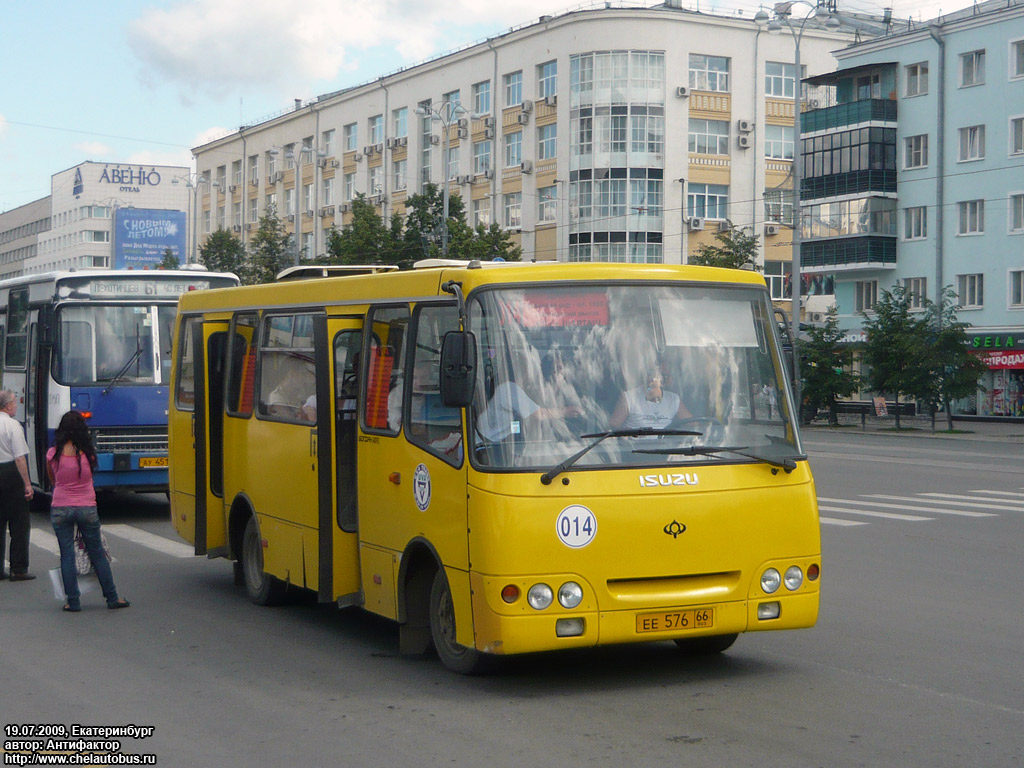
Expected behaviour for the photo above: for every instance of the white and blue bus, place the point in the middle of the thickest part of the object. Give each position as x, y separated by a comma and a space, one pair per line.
98, 342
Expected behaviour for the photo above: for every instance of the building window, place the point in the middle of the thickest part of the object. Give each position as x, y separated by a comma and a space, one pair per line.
350, 187
778, 142
582, 129
482, 97
236, 214
350, 135
610, 199
400, 122
972, 143
917, 291
482, 157
449, 102
513, 149
775, 274
647, 134
1017, 213
612, 133
376, 126
915, 223
972, 68
513, 83
1017, 136
869, 87
546, 204
709, 137
269, 204
329, 191
514, 210
547, 141
289, 201
399, 171
307, 197
376, 180
779, 79
972, 217
482, 213
970, 291
254, 209
1017, 289
1016, 59
547, 79
866, 295
327, 142
709, 73
646, 197
778, 205
236, 172
915, 151
451, 163
707, 201
254, 169
917, 79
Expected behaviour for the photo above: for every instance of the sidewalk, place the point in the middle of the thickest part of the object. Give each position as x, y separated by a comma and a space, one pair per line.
921, 426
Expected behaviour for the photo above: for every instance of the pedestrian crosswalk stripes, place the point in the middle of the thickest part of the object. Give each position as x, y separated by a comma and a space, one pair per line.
927, 505
44, 539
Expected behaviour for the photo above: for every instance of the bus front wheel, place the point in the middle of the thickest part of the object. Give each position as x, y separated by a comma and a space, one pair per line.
458, 658
706, 646
263, 588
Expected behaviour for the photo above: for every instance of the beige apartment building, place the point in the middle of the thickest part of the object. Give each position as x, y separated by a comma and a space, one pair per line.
605, 135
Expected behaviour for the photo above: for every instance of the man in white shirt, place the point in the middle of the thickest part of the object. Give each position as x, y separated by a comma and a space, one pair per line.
15, 490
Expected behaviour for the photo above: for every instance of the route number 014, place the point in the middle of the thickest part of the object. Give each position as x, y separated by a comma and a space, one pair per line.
576, 526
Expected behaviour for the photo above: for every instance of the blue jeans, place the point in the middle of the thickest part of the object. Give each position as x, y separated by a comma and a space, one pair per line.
64, 520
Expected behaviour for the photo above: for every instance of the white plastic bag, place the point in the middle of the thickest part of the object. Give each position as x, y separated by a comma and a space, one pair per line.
86, 584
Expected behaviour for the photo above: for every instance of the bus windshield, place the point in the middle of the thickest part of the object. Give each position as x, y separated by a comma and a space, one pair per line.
628, 375
112, 343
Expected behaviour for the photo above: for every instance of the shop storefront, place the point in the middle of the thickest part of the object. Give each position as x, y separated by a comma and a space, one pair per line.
1001, 389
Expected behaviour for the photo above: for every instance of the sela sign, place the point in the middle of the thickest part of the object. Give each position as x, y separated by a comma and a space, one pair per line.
980, 341
130, 180
143, 236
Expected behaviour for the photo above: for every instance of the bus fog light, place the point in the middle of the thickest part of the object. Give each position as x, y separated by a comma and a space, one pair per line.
794, 577
570, 594
767, 611
510, 593
770, 580
813, 571
540, 596
569, 627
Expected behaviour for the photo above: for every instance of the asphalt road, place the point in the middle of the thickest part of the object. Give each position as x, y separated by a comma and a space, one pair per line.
915, 661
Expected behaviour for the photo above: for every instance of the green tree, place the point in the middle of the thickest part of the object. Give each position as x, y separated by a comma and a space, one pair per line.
366, 240
824, 367
898, 347
270, 250
737, 249
493, 242
169, 261
953, 370
223, 252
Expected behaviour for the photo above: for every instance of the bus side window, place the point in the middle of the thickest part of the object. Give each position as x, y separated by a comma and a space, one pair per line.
430, 424
241, 376
385, 368
185, 387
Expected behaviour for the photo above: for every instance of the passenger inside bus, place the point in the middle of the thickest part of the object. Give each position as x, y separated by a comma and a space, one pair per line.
649, 406
296, 386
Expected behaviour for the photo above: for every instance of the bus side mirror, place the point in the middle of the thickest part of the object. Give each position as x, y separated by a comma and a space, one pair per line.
458, 369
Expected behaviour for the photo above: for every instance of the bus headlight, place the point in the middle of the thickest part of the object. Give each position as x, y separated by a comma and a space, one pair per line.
770, 581
570, 594
794, 577
540, 596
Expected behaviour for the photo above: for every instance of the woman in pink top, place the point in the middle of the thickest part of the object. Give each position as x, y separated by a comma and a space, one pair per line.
70, 464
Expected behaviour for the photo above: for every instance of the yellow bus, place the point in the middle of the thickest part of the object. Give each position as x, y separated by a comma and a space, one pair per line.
502, 458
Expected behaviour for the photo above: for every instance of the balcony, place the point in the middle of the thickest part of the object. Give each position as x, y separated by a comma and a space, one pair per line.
848, 113
852, 183
848, 254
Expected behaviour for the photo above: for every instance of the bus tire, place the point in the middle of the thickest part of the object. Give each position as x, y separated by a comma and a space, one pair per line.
458, 658
263, 589
706, 646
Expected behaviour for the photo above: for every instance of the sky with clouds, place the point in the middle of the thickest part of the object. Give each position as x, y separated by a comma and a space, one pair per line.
144, 81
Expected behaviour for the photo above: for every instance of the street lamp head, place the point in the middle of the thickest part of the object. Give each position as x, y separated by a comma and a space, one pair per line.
774, 27
761, 17
833, 23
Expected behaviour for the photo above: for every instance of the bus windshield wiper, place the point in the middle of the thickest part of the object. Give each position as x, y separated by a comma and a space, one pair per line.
124, 369
600, 437
710, 450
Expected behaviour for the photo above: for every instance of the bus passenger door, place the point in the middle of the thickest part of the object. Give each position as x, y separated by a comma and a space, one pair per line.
209, 344
337, 397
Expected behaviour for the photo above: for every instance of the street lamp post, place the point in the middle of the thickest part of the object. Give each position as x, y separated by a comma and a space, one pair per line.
782, 19
445, 114
192, 182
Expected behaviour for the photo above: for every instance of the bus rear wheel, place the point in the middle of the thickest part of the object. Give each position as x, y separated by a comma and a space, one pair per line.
706, 646
458, 658
263, 589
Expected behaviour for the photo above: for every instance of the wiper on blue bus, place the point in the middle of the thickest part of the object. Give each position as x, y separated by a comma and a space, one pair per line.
600, 437
709, 450
124, 369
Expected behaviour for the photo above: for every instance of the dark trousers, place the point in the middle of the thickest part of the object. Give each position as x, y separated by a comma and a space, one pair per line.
14, 515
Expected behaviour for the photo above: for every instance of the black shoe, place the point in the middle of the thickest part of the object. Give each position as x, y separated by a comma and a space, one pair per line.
22, 576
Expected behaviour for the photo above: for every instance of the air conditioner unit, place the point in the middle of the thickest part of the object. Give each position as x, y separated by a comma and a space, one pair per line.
255, 182
745, 126
391, 143
236, 228
523, 118
291, 217
276, 177
488, 121
488, 133
327, 210
744, 142
682, 92
772, 228
463, 122
527, 105
346, 207
489, 173
695, 224
463, 179
435, 140
724, 226
232, 188
309, 213
357, 157
817, 317
526, 167
376, 199
368, 150
551, 100
250, 226
463, 133
813, 103
379, 147
334, 163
